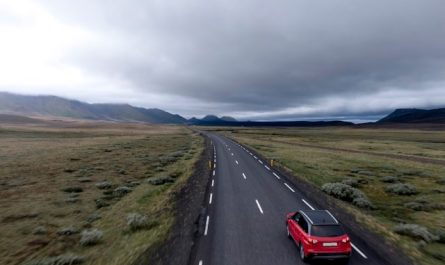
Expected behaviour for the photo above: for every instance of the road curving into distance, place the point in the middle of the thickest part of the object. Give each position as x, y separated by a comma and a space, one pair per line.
246, 203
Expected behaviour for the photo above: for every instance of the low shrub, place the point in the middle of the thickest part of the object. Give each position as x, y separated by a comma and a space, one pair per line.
347, 193
356, 170
100, 203
122, 191
177, 154
137, 221
67, 231
104, 185
416, 206
363, 203
441, 236
73, 189
365, 172
39, 230
72, 200
401, 189
84, 179
134, 184
65, 259
389, 179
93, 217
351, 182
161, 180
90, 237
415, 231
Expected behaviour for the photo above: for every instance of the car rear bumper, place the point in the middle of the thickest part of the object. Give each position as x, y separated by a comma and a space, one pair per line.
330, 255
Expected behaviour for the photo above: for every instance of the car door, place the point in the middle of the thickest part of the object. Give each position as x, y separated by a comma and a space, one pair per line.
294, 226
302, 228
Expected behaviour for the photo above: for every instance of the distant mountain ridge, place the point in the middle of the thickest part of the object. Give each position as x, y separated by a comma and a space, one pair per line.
61, 107
54, 106
415, 116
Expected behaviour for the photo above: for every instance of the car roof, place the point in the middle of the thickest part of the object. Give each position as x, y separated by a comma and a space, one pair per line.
319, 217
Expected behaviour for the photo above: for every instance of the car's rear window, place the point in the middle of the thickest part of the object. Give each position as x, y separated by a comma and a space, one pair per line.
327, 230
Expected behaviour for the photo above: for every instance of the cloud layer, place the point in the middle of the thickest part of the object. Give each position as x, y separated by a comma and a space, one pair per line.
286, 59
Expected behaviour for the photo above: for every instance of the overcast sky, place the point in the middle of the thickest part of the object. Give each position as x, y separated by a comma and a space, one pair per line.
251, 59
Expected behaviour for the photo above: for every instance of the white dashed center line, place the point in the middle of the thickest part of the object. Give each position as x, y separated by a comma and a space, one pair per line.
255, 157
211, 197
259, 207
213, 182
275, 174
260, 161
232, 154
244, 175
207, 225
267, 167
200, 262
213, 172
308, 205
289, 187
236, 161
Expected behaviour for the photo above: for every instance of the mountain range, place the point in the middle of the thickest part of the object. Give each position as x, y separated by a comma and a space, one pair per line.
61, 107
52, 106
433, 116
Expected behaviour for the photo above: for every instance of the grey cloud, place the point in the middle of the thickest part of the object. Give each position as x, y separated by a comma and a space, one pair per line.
266, 56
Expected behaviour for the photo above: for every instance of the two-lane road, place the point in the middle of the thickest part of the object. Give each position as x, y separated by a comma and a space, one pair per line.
247, 205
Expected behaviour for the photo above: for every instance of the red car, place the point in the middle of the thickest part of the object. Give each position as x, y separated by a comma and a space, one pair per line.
318, 235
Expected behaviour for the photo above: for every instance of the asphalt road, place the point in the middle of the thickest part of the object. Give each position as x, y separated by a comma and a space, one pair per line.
245, 218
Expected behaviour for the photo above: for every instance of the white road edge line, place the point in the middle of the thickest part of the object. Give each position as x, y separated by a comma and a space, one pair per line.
289, 187
268, 168
259, 206
211, 197
207, 225
261, 162
359, 252
308, 205
244, 175
275, 174
236, 161
213, 172
213, 182
255, 157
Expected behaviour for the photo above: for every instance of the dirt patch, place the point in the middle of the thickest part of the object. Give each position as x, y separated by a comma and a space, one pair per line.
188, 200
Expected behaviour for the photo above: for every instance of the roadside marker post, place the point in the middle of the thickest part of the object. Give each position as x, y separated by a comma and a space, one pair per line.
210, 164
271, 162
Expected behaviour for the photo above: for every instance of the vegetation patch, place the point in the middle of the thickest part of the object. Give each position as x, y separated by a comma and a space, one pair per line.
136, 221
73, 189
401, 189
347, 193
91, 237
415, 231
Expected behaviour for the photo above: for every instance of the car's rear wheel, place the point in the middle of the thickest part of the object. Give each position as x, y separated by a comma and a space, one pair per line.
303, 256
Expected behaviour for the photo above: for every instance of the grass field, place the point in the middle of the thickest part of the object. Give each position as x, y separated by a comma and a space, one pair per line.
90, 193
400, 172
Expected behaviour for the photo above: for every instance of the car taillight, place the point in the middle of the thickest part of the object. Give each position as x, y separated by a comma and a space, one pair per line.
345, 240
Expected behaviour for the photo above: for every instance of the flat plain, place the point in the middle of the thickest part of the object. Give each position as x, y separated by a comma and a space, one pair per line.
390, 180
92, 193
